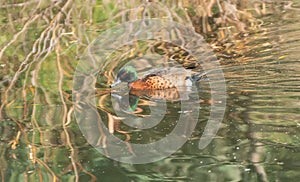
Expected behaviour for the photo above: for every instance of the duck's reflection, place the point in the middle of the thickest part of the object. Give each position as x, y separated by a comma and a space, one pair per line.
127, 103
143, 116
140, 109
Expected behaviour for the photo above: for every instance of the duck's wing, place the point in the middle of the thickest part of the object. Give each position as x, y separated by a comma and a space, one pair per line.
155, 72
168, 72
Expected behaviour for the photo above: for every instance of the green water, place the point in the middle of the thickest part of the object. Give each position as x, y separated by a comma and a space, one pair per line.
42, 140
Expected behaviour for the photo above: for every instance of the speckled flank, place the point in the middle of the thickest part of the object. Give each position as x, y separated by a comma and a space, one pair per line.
158, 82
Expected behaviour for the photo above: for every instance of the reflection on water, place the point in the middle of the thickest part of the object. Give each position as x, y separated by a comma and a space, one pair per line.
40, 139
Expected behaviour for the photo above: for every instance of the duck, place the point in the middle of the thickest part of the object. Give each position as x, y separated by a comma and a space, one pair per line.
157, 79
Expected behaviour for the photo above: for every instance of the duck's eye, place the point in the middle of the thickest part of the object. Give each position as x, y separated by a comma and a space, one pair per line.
122, 75
121, 72
126, 76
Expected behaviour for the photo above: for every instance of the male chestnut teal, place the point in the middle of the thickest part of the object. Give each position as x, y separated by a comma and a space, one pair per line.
157, 79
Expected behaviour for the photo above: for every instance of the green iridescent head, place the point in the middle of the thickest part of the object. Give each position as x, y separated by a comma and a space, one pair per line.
126, 74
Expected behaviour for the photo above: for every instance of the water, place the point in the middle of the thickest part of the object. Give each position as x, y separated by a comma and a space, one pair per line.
258, 139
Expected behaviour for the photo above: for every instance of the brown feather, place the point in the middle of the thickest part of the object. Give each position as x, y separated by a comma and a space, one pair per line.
151, 82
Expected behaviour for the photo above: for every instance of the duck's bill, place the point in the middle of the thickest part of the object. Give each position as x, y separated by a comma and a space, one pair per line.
115, 83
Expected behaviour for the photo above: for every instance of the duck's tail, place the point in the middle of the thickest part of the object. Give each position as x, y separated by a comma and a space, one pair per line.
199, 76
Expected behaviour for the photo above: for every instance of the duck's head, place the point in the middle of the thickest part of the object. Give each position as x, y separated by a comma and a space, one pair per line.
126, 74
